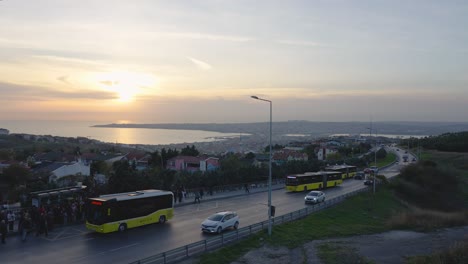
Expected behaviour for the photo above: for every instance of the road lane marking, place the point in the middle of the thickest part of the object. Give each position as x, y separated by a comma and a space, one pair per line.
79, 259
115, 249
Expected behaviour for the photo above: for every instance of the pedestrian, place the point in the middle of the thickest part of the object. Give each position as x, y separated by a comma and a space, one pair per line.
197, 197
25, 226
11, 220
201, 193
43, 225
246, 186
3, 230
179, 193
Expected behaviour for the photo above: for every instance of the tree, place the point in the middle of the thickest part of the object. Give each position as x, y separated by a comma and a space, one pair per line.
190, 151
381, 153
334, 156
123, 178
310, 151
345, 151
274, 147
16, 175
250, 156
155, 159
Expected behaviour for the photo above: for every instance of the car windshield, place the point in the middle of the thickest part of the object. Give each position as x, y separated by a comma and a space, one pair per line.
215, 217
313, 194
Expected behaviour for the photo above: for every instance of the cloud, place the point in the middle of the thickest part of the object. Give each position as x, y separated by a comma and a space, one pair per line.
189, 35
302, 43
63, 79
109, 83
200, 64
17, 92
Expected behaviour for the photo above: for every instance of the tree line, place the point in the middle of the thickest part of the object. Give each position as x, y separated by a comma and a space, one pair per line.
450, 142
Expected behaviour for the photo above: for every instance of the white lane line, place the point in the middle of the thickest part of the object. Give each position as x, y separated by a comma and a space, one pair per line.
79, 259
115, 249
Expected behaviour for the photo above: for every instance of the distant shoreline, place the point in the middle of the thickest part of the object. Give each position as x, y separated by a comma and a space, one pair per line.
310, 128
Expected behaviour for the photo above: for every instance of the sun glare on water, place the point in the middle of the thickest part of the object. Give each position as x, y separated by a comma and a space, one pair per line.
126, 85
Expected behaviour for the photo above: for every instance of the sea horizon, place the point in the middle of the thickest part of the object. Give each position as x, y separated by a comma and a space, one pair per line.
146, 133
130, 136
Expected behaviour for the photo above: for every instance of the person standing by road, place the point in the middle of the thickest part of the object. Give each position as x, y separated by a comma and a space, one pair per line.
3, 230
201, 193
42, 225
25, 226
197, 197
11, 220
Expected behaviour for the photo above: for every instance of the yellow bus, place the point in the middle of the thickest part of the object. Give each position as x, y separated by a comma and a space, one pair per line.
313, 180
347, 171
120, 211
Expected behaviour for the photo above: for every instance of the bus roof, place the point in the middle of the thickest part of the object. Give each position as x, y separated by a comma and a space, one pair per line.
313, 174
338, 167
132, 195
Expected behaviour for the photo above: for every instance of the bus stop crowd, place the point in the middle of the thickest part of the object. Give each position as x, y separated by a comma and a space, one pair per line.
39, 219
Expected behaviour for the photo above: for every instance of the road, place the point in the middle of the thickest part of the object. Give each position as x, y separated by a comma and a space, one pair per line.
75, 244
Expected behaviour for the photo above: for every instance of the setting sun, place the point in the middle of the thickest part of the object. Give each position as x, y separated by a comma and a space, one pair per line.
126, 85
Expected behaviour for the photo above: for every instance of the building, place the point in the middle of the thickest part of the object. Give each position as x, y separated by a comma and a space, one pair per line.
323, 152
192, 164
285, 155
4, 131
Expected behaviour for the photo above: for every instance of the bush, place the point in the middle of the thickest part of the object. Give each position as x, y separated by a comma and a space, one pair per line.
429, 186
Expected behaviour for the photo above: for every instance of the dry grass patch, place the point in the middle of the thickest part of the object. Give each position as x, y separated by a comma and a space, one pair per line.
457, 254
422, 219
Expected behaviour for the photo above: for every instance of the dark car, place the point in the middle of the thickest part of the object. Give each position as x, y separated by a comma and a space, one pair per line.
359, 175
368, 182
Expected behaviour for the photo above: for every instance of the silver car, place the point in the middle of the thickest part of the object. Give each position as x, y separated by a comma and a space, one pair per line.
220, 221
314, 197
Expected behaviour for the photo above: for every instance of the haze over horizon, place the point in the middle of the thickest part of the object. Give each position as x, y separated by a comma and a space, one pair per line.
200, 61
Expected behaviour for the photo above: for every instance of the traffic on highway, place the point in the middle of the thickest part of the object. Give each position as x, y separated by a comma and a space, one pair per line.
76, 244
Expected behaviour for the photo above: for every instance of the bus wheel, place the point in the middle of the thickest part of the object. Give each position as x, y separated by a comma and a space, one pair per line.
162, 219
122, 227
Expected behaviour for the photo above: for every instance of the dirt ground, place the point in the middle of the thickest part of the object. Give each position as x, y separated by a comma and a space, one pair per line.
386, 248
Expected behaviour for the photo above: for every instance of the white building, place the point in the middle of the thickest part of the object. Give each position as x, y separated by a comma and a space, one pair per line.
67, 169
323, 152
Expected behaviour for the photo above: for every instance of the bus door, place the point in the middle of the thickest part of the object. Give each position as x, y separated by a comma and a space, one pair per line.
324, 181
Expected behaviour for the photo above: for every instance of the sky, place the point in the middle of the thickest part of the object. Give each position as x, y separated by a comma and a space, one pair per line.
201, 61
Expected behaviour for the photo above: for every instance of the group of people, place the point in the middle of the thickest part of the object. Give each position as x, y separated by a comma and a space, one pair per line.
180, 193
40, 219
7, 222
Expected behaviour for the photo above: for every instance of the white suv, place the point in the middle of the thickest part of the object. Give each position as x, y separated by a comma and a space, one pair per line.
216, 223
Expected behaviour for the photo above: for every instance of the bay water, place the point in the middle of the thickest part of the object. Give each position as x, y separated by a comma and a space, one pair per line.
144, 136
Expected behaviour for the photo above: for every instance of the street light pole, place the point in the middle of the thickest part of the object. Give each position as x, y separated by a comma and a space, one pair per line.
375, 162
269, 172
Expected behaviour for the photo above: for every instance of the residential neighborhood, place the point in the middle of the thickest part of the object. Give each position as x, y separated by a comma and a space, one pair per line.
57, 162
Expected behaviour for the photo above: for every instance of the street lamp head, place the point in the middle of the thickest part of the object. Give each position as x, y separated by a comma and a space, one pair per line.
254, 97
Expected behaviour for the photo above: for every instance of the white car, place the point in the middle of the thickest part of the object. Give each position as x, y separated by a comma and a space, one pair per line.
220, 221
314, 197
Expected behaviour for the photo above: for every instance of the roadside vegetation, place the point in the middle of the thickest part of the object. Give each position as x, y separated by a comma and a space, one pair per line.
361, 214
457, 253
339, 253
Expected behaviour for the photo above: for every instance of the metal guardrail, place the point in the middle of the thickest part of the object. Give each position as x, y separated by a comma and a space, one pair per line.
200, 247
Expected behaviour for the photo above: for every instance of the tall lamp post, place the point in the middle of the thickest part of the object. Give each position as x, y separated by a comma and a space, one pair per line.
269, 173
